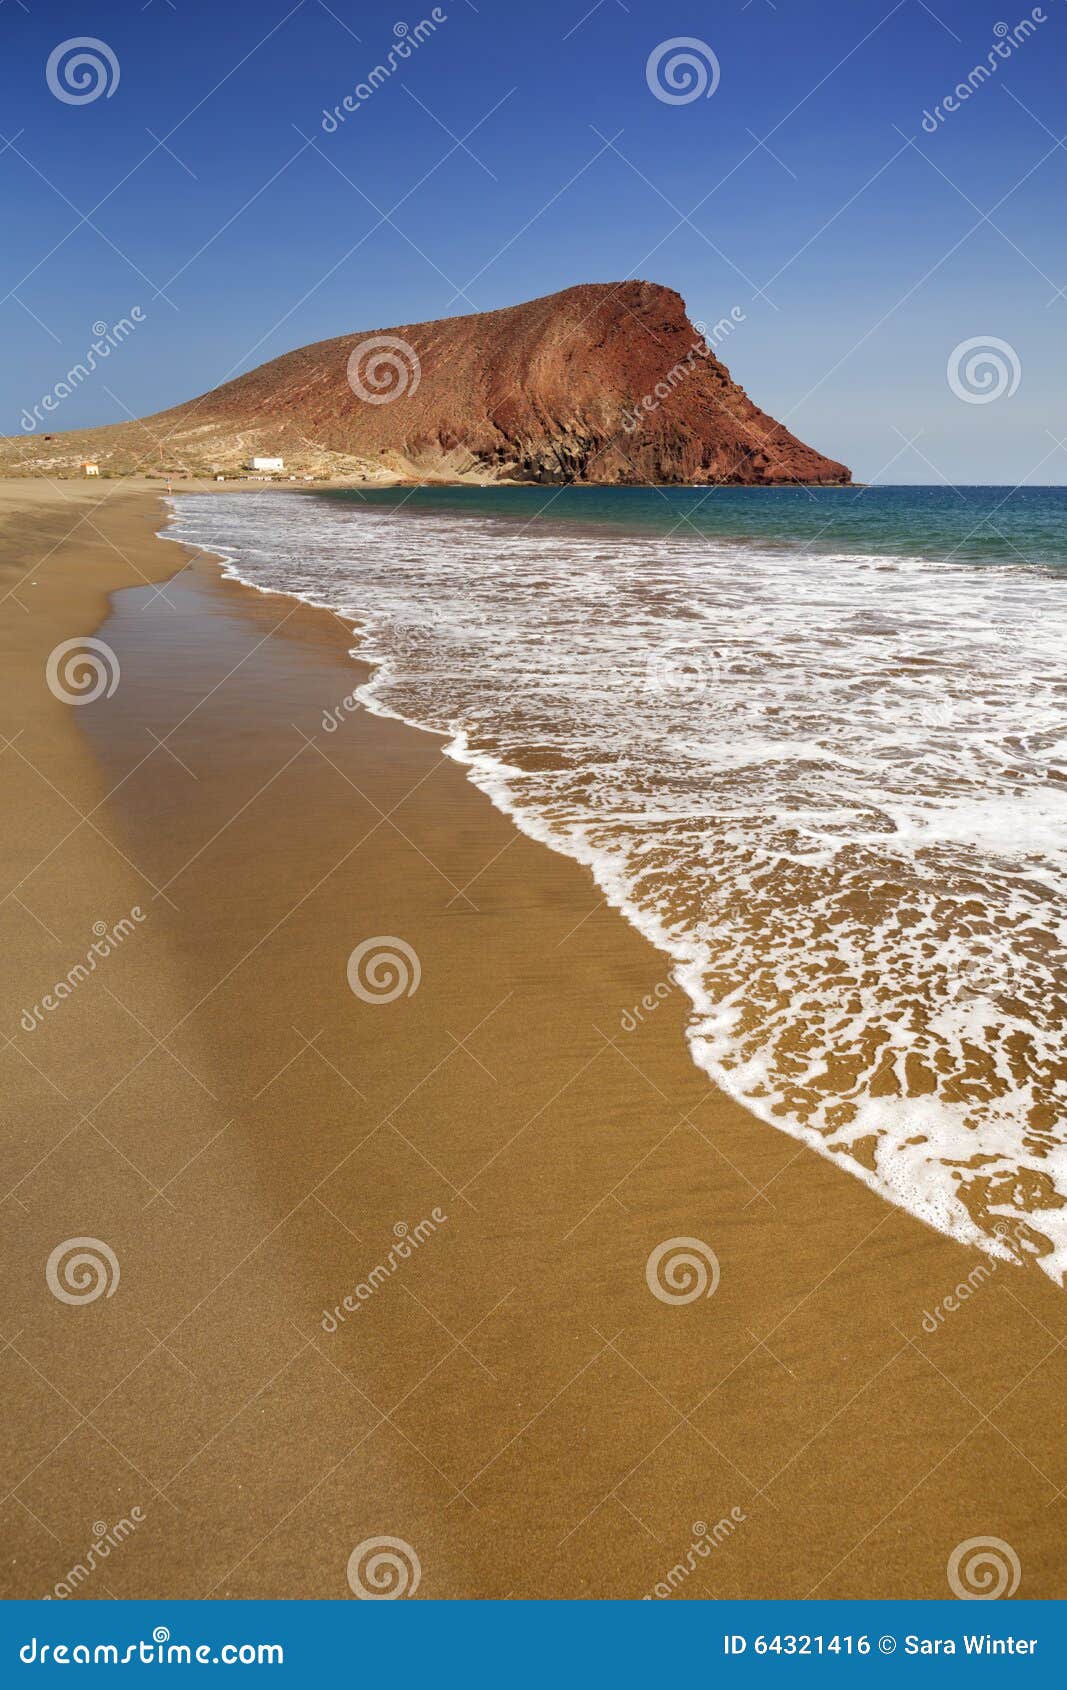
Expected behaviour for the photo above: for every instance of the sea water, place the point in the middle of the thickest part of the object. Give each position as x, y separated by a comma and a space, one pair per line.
813, 743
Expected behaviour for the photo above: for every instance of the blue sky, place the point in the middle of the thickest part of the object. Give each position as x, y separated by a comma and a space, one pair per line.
805, 191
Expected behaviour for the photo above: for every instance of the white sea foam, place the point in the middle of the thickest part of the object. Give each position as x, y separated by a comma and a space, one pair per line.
831, 787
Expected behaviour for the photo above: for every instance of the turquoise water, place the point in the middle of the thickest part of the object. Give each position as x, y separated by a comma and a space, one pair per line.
975, 524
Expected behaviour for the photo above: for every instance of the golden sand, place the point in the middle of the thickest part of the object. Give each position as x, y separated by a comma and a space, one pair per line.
250, 1138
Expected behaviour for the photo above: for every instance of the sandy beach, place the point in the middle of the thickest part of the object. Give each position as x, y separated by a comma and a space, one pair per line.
252, 1138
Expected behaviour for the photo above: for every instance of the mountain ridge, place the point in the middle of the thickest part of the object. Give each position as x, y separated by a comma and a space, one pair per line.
602, 383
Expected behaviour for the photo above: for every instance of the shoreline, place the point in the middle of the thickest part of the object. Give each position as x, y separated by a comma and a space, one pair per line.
581, 1419
684, 962
384, 483
687, 957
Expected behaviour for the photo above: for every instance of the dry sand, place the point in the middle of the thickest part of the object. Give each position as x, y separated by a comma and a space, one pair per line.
246, 1134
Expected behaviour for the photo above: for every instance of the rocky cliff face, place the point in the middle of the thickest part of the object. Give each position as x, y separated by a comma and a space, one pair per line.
600, 383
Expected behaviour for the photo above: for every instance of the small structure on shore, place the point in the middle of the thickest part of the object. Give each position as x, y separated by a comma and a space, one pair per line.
90, 469
268, 463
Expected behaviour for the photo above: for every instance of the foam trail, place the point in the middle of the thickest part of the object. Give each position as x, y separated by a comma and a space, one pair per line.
830, 786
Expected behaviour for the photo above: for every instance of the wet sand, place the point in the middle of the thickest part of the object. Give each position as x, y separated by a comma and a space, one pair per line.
247, 1134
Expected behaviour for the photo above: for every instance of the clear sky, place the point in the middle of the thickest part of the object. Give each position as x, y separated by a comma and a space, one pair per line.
519, 149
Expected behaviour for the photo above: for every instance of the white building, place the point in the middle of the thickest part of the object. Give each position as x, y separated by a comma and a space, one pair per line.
268, 463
